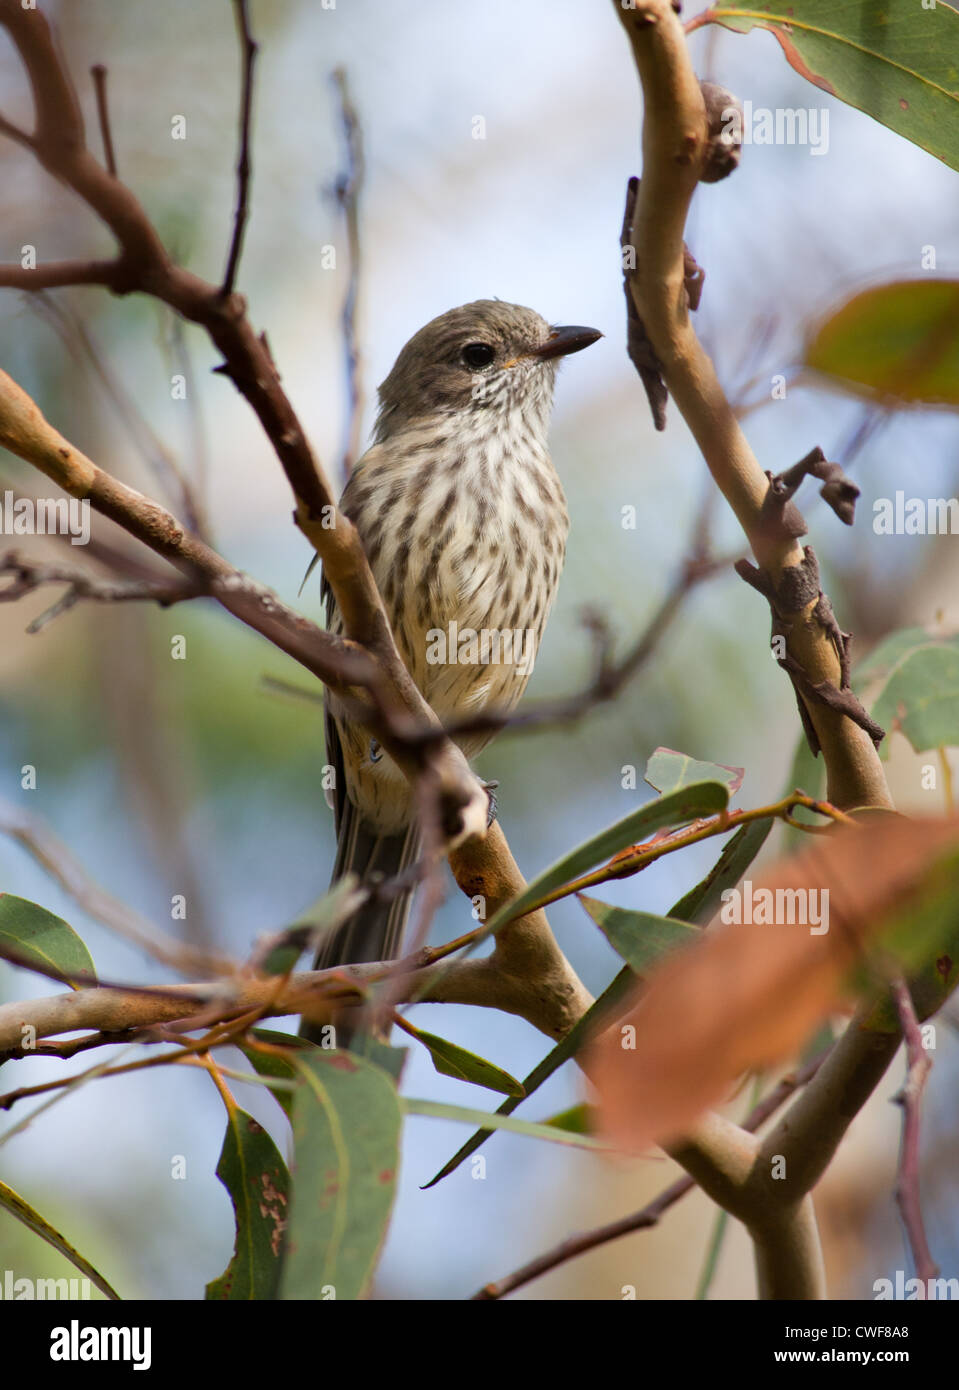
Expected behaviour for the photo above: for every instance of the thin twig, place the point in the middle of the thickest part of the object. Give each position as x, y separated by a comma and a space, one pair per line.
52, 854
348, 189
28, 575
143, 264
13, 132
650, 1214
83, 347
918, 1067
635, 858
243, 166
99, 74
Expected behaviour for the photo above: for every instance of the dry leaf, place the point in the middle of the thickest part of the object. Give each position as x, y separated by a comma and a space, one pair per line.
751, 992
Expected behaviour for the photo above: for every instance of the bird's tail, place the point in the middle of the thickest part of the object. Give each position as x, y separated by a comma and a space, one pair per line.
375, 930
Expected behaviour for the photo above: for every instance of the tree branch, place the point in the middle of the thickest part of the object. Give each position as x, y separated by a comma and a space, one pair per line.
349, 187
243, 169
99, 74
27, 576
676, 145
676, 148
339, 662
649, 1215
144, 265
918, 1067
60, 273
56, 858
319, 994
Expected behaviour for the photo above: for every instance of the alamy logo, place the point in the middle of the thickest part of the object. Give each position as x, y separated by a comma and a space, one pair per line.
777, 907
76, 1343
758, 125
13, 1288
908, 1289
45, 516
915, 516
485, 646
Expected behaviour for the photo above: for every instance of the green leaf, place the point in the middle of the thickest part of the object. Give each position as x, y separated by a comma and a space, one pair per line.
922, 938
702, 903
578, 1119
13, 1203
668, 770
678, 808
606, 1008
256, 1178
895, 343
918, 688
893, 59
437, 1110
269, 1064
35, 939
823, 1037
615, 997
326, 914
887, 654
641, 938
452, 1060
346, 1128
391, 1059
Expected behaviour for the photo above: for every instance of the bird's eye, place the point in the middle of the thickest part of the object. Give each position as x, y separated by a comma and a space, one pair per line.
478, 354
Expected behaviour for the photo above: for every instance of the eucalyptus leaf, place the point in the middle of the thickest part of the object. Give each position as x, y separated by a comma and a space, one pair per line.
617, 994
438, 1110
256, 1179
915, 688
641, 938
893, 59
346, 1129
452, 1060
896, 343
13, 1203
35, 939
668, 770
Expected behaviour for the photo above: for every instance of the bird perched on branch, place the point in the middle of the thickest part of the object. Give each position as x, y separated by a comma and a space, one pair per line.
464, 522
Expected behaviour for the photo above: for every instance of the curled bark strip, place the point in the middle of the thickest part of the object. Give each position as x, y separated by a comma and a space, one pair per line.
796, 591
638, 346
781, 516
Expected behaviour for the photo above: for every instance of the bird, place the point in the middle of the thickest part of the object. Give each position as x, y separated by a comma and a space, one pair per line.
464, 522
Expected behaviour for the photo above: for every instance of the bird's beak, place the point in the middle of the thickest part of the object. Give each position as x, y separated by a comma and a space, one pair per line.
564, 340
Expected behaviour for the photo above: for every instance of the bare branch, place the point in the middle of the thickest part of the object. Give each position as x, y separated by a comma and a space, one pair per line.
144, 265
28, 575
53, 855
676, 139
649, 1215
918, 1067
60, 273
676, 146
99, 74
319, 994
82, 346
243, 167
349, 188
13, 132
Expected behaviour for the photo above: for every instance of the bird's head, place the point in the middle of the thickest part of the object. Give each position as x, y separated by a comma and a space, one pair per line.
488, 355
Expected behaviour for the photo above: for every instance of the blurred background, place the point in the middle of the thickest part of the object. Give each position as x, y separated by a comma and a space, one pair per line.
191, 777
